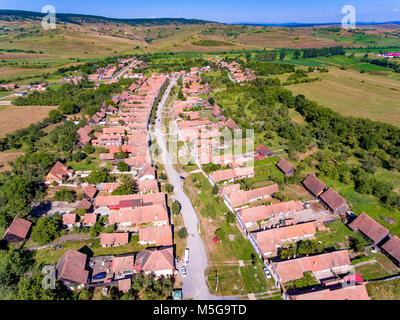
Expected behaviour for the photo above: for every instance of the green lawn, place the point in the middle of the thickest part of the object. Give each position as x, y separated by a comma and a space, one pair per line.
337, 234
364, 203
387, 290
372, 271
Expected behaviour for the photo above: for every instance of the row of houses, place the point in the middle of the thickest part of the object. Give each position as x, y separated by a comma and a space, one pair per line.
330, 269
76, 270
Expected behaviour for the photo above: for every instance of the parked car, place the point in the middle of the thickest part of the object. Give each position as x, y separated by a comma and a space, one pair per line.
183, 270
267, 274
186, 257
99, 276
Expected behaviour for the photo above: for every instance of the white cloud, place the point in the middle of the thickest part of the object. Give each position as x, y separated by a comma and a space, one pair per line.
395, 10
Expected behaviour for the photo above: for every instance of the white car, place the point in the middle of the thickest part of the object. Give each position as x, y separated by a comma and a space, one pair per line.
267, 274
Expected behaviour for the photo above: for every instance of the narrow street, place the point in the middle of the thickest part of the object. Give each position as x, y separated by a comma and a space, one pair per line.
194, 284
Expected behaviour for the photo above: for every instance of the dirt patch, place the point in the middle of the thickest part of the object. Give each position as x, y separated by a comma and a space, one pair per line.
15, 118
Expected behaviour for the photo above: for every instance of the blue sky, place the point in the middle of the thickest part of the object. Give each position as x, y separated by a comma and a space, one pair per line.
263, 11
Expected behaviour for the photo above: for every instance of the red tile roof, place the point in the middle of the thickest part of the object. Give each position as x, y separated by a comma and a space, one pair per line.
114, 239
161, 236
19, 227
71, 267
392, 247
357, 292
368, 226
141, 215
269, 240
89, 219
90, 191
285, 166
68, 219
333, 199
263, 212
289, 270
156, 260
314, 185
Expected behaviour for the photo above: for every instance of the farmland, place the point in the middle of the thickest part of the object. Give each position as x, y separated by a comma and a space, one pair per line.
375, 96
21, 117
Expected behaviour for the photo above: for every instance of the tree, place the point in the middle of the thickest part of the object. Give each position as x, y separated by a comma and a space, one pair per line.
230, 217
176, 207
67, 107
55, 116
182, 233
32, 289
282, 55
123, 166
357, 244
99, 176
13, 264
215, 190
169, 188
47, 229
128, 186
65, 195
211, 100
89, 149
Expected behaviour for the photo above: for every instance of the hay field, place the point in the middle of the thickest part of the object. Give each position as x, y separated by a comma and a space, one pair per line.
351, 93
14, 118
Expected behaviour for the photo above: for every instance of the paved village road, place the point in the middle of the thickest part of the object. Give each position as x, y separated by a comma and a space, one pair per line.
194, 284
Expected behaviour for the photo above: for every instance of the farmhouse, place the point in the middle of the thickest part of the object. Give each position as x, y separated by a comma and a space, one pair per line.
251, 216
314, 185
58, 173
90, 192
392, 248
136, 200
334, 201
89, 219
263, 152
160, 261
369, 228
357, 292
323, 266
69, 220
241, 198
114, 239
286, 167
71, 269
84, 204
231, 174
269, 240
155, 215
158, 236
17, 231
148, 186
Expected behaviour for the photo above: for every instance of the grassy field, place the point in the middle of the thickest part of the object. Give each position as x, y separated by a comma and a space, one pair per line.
351, 93
364, 203
15, 118
388, 290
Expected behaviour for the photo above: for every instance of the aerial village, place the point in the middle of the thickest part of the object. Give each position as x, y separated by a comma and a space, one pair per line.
269, 224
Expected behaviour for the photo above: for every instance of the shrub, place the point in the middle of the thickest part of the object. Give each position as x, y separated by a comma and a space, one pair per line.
65, 195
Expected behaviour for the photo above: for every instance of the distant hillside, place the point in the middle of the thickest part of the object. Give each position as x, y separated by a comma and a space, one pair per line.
389, 24
79, 19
